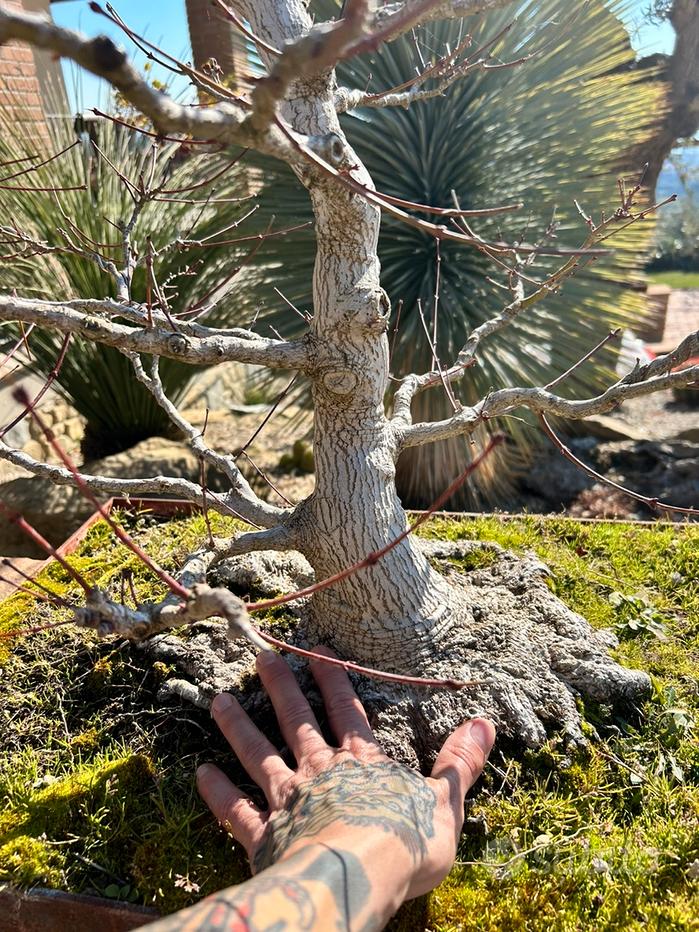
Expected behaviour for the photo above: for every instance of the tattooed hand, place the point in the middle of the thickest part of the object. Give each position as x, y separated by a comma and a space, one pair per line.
349, 834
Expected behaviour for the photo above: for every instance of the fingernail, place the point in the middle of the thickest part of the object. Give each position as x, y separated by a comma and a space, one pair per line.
221, 702
483, 733
266, 658
203, 771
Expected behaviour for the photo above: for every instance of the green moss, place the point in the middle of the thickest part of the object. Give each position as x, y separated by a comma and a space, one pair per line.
602, 838
191, 849
95, 771
57, 808
25, 861
88, 740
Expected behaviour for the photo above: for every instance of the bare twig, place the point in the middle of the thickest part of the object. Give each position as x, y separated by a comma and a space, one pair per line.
22, 396
654, 504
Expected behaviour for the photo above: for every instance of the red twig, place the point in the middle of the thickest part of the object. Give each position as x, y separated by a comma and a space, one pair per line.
436, 361
52, 376
144, 45
25, 158
20, 572
652, 503
305, 316
202, 184
208, 243
17, 587
435, 306
263, 475
185, 141
202, 483
438, 69
258, 430
22, 340
369, 671
15, 518
126, 540
15, 187
612, 335
33, 168
7, 635
194, 308
395, 329
448, 212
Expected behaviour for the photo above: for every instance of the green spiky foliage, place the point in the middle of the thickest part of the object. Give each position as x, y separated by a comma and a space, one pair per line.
544, 133
97, 380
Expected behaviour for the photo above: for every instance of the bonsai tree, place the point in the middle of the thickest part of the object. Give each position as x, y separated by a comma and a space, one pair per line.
497, 639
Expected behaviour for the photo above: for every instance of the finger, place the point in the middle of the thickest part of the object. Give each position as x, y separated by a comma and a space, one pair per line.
258, 755
345, 711
296, 719
234, 810
462, 759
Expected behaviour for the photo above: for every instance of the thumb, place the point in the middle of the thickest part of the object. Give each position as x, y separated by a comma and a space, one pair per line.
463, 756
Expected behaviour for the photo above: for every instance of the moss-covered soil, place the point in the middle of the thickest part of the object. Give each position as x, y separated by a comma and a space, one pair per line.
96, 774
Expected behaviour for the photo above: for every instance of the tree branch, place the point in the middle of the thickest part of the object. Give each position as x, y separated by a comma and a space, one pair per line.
649, 502
108, 485
413, 384
597, 233
542, 401
225, 122
191, 344
241, 496
395, 19
273, 538
446, 71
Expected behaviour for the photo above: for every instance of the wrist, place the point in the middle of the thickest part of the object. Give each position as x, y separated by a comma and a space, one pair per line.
374, 854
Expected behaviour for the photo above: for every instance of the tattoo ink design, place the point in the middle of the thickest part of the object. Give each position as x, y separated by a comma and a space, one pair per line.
386, 796
284, 900
272, 904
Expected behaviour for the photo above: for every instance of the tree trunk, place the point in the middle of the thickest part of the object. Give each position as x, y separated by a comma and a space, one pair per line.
525, 655
394, 612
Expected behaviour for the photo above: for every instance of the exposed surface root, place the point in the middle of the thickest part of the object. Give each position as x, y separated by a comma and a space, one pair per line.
265, 573
533, 656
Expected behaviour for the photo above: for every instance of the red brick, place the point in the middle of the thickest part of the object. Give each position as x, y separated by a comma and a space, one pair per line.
19, 85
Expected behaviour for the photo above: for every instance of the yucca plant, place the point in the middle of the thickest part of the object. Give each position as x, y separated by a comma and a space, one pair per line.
97, 380
544, 133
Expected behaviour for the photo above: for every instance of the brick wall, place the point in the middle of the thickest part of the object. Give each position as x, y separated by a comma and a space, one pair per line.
20, 91
213, 37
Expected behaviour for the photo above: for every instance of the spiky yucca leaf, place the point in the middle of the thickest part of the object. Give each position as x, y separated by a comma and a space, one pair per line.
545, 133
98, 380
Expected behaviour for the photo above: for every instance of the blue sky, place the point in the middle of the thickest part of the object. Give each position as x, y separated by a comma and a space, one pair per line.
165, 23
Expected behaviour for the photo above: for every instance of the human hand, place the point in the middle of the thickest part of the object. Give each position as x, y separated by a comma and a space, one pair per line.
403, 827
